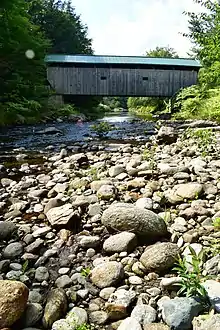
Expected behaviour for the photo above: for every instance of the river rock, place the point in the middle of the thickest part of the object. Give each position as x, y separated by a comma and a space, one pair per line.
124, 241
13, 250
97, 184
166, 135
63, 216
202, 323
90, 242
130, 323
7, 229
184, 191
78, 316
98, 317
75, 318
178, 313
126, 217
213, 290
156, 326
159, 257
106, 192
107, 274
49, 130
41, 274
13, 301
116, 170
144, 314
55, 308
118, 303
32, 315
55, 202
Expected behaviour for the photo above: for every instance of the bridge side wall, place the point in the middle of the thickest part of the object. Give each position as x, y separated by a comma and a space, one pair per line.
120, 82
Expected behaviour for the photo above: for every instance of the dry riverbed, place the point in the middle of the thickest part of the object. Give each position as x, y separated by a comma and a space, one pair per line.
90, 239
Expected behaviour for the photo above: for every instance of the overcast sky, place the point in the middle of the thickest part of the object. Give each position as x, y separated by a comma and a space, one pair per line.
130, 27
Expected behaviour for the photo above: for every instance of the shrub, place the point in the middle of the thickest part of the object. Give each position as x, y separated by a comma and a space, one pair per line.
102, 128
191, 284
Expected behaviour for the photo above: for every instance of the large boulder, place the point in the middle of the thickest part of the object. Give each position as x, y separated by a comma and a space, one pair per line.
107, 274
63, 216
159, 257
13, 301
126, 217
55, 308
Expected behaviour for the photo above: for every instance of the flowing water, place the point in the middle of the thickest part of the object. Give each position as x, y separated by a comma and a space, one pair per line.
127, 128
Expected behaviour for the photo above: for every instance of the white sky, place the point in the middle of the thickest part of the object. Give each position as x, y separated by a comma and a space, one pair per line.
130, 27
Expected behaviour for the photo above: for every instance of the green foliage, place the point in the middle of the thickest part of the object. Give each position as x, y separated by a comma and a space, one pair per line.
204, 32
60, 23
115, 102
197, 102
21, 78
85, 272
102, 128
40, 26
214, 247
84, 327
147, 106
25, 266
167, 52
203, 138
191, 284
93, 172
149, 155
216, 223
67, 110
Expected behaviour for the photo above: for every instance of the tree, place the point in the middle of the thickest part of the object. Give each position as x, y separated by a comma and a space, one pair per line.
204, 32
60, 23
21, 77
167, 52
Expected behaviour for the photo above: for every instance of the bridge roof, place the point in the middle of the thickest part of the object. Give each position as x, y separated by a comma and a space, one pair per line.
133, 60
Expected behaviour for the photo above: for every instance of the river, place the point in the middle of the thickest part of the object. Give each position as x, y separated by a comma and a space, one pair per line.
127, 128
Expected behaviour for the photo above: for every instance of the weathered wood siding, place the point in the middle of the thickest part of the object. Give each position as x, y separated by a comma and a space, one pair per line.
121, 82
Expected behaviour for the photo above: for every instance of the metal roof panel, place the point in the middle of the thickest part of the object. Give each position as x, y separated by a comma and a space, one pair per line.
138, 60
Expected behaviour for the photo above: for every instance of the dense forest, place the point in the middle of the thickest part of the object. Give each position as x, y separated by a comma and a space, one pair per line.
29, 29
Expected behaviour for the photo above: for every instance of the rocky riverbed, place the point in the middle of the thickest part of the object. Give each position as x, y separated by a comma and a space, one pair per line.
89, 237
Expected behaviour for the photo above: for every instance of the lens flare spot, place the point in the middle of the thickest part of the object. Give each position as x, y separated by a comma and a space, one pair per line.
29, 54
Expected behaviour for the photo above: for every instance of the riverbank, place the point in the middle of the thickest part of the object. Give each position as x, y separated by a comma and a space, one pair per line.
97, 233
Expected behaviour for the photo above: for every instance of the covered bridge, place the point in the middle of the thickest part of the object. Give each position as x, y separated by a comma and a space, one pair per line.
120, 75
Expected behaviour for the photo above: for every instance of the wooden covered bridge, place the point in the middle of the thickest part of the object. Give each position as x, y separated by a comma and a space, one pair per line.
120, 75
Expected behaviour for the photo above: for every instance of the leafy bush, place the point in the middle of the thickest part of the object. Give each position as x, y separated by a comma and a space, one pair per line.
102, 128
191, 284
196, 102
